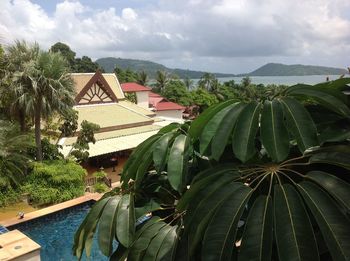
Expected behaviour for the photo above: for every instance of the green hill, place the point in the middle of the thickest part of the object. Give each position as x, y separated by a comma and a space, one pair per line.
278, 69
109, 63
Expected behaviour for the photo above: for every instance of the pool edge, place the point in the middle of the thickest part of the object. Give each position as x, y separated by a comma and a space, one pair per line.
52, 209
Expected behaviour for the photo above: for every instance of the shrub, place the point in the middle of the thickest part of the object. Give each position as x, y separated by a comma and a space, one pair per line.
8, 194
99, 174
100, 187
55, 181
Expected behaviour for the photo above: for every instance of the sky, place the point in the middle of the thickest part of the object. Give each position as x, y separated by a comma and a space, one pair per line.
231, 36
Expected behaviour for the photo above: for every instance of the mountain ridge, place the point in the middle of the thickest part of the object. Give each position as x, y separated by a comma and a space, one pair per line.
269, 69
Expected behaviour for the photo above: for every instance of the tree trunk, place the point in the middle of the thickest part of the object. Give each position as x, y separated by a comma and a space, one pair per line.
37, 121
22, 121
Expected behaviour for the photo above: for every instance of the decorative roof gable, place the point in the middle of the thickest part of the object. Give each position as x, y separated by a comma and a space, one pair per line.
96, 90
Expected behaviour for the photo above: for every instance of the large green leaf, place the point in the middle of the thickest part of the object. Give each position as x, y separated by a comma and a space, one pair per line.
295, 239
177, 162
161, 150
323, 98
337, 158
224, 130
257, 236
335, 227
212, 127
167, 250
338, 188
83, 237
106, 227
125, 228
300, 123
161, 244
243, 139
140, 245
143, 166
132, 164
203, 180
338, 84
206, 210
200, 122
274, 134
219, 238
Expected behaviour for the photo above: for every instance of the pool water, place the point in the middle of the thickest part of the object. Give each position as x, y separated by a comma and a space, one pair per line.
55, 233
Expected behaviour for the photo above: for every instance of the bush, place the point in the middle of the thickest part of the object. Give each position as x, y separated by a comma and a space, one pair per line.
100, 188
100, 174
8, 194
54, 182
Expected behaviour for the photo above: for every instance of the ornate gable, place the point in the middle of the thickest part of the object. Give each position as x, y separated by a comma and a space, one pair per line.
97, 90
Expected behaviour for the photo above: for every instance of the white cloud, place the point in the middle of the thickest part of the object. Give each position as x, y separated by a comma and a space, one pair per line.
204, 34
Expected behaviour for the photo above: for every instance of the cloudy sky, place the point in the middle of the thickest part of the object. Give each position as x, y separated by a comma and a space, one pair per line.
232, 36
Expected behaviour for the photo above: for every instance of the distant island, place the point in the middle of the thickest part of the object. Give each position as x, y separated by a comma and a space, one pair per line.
109, 63
279, 69
270, 69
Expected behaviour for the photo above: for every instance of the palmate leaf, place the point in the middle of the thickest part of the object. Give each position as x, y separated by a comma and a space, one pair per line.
323, 98
219, 238
335, 227
257, 236
125, 227
162, 245
177, 162
161, 150
204, 179
212, 127
243, 139
83, 236
300, 123
295, 239
206, 209
274, 134
106, 228
224, 130
338, 188
198, 124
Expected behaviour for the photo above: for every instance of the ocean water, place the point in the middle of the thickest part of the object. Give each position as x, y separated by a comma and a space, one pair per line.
285, 80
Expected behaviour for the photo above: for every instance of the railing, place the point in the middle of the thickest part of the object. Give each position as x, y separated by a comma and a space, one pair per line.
92, 181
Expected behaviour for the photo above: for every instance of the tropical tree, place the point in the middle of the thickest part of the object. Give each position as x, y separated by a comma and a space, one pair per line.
176, 91
142, 78
259, 179
162, 79
206, 81
188, 83
13, 152
17, 58
43, 88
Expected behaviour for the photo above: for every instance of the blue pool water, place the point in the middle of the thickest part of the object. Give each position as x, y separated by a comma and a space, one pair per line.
55, 232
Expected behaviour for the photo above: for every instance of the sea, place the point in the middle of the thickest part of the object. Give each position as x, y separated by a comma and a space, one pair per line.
285, 80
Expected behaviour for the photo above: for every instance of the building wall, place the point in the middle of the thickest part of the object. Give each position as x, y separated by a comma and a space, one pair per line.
142, 99
177, 114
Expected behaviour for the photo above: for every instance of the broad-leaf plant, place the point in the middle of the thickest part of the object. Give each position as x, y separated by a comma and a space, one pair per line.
263, 178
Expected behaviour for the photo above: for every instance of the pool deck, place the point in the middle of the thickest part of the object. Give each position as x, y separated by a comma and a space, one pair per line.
14, 245
45, 211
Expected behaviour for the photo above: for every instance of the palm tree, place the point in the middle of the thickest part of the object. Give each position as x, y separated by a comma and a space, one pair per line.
42, 88
142, 78
13, 148
206, 81
162, 79
188, 83
51, 91
17, 57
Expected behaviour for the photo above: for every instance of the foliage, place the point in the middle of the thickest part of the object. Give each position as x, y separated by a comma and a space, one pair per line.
86, 135
176, 91
99, 174
9, 194
13, 152
131, 96
162, 78
203, 98
254, 180
100, 187
83, 64
126, 75
55, 181
50, 151
142, 78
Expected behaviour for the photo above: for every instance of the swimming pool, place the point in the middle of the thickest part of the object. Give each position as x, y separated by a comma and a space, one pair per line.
55, 232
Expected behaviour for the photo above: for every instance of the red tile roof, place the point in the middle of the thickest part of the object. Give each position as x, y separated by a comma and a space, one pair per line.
153, 94
134, 87
167, 106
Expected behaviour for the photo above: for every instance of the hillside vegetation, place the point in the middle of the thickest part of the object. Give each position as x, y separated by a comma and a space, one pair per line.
109, 63
278, 69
